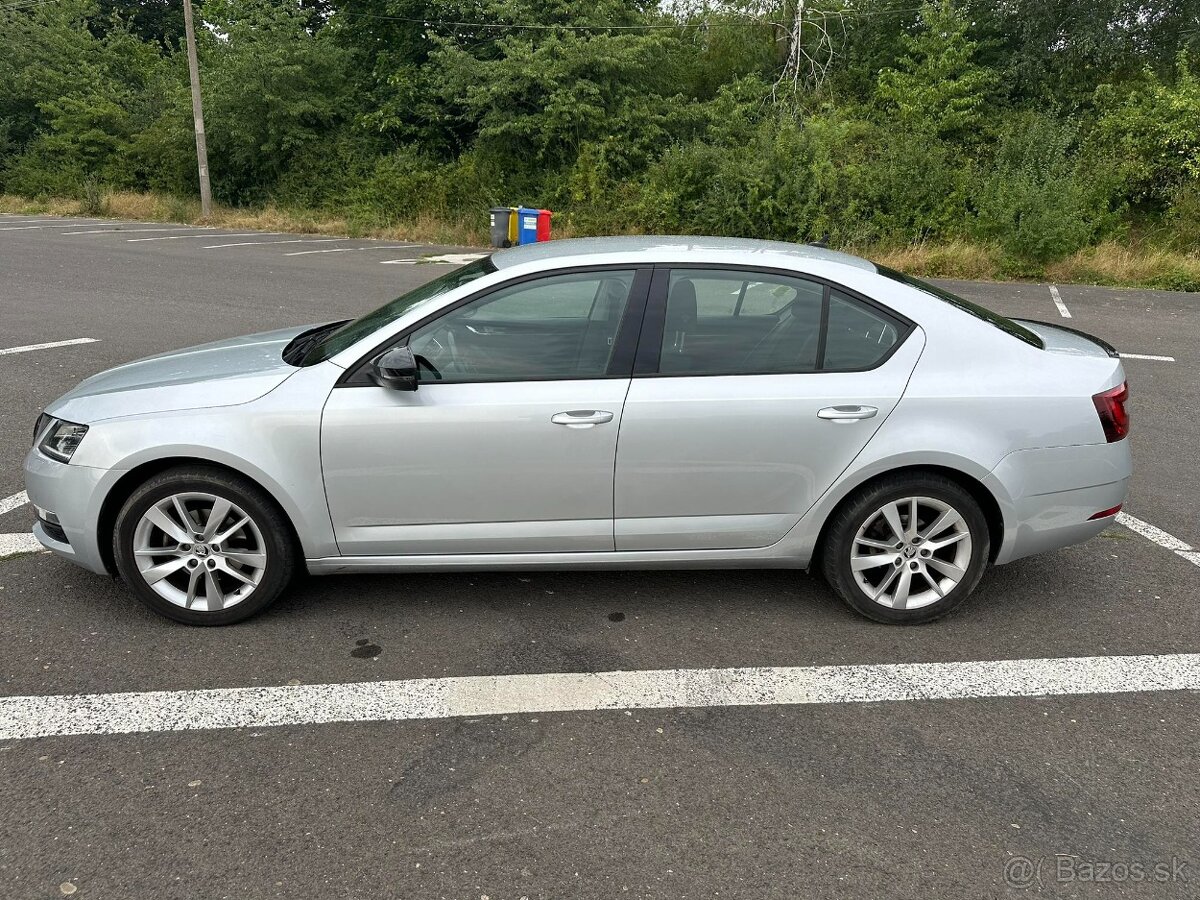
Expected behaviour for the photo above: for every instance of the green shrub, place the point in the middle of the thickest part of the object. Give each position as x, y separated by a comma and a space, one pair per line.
93, 199
800, 180
1151, 131
1031, 198
406, 185
1183, 218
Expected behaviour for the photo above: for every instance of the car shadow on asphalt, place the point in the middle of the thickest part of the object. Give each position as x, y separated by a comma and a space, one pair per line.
1115, 595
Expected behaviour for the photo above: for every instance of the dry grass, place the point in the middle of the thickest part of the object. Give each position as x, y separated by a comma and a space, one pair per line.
24, 207
165, 208
1135, 266
956, 259
1131, 265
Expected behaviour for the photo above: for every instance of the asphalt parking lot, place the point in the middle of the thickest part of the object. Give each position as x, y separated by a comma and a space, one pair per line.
1086, 792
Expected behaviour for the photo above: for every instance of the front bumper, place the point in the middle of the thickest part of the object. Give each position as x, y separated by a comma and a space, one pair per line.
75, 495
1054, 491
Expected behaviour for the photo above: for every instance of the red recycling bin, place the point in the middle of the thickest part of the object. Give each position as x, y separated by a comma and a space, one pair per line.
543, 224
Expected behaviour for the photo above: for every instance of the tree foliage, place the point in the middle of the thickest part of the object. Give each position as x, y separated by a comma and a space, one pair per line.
1039, 126
937, 85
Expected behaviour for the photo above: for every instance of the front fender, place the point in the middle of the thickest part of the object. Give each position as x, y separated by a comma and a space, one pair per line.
274, 441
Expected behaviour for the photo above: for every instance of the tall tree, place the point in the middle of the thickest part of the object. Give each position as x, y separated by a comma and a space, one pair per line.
936, 84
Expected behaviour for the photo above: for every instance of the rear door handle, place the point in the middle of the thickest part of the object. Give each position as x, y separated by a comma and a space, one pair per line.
582, 418
846, 413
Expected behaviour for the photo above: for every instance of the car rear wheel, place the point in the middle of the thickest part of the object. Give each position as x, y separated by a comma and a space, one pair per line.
906, 549
203, 546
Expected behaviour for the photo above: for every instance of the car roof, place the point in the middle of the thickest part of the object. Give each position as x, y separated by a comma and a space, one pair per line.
672, 248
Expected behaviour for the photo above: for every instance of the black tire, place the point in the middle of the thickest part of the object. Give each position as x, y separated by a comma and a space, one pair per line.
862, 507
278, 543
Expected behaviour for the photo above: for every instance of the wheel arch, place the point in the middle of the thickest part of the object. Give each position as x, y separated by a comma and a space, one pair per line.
980, 493
124, 487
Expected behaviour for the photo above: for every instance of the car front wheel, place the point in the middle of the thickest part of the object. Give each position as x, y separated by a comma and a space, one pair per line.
907, 549
203, 546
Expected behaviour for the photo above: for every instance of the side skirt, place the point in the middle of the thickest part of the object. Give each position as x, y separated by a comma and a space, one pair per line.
757, 558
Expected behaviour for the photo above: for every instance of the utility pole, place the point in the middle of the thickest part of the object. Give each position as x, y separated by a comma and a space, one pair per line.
197, 111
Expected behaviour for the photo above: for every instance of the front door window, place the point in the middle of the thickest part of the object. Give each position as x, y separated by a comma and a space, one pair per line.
560, 327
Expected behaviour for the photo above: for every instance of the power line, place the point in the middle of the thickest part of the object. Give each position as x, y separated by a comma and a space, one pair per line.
542, 26
523, 26
26, 4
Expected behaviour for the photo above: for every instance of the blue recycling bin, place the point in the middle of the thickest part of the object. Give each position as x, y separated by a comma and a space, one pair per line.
527, 225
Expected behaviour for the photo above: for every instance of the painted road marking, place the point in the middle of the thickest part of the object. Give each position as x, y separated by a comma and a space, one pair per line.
1160, 537
46, 220
72, 225
42, 220
180, 237
293, 241
490, 695
448, 259
1147, 356
348, 249
31, 347
19, 543
8, 504
1062, 307
135, 230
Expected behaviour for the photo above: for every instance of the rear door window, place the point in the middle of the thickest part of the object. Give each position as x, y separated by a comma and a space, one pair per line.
733, 322
721, 322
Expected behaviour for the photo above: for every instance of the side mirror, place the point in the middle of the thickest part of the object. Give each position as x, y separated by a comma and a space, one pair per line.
395, 370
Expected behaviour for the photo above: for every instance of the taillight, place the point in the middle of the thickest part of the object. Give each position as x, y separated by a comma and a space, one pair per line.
1111, 407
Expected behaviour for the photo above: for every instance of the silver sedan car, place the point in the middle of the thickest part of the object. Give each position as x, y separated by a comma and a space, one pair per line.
643, 402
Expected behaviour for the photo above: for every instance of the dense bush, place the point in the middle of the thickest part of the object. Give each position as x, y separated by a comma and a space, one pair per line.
1032, 199
960, 120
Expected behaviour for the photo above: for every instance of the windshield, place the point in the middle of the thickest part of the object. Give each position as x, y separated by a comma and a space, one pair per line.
355, 331
980, 312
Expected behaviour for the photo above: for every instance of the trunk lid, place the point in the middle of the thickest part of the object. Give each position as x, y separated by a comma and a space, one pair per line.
1061, 339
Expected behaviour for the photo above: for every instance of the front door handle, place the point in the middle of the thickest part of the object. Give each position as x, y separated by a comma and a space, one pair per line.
846, 413
582, 418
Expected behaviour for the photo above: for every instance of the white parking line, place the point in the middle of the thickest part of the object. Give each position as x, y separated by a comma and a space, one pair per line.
347, 249
71, 225
490, 695
30, 347
1160, 537
16, 501
1147, 356
447, 259
293, 241
1062, 307
136, 230
19, 543
180, 237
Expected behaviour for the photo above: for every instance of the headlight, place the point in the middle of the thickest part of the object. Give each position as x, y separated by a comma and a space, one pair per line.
61, 439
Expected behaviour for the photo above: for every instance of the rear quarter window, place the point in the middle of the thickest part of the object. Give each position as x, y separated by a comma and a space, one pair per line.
856, 337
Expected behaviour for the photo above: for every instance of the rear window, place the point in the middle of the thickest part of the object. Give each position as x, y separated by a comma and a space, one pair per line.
980, 312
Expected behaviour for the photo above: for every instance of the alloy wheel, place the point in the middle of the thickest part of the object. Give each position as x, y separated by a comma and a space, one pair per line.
199, 551
911, 552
